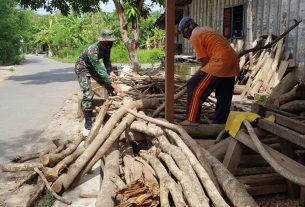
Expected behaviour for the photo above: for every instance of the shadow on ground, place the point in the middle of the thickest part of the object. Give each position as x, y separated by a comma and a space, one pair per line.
58, 75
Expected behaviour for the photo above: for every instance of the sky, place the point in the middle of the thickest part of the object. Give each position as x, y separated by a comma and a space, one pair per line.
109, 7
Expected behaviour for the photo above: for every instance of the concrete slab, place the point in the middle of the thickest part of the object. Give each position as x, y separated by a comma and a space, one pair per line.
89, 183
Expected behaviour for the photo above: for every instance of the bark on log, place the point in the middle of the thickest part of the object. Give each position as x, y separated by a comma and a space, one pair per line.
108, 188
98, 122
206, 181
132, 169
16, 167
115, 134
79, 164
57, 186
176, 96
186, 138
184, 165
286, 84
39, 189
23, 158
204, 130
286, 173
295, 106
152, 131
52, 159
235, 191
185, 181
167, 184
52, 174
65, 201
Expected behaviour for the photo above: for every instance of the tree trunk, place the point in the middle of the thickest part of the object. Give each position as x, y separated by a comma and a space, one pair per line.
108, 188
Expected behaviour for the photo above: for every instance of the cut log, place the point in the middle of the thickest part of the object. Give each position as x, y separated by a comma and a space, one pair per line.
39, 189
108, 188
65, 201
235, 191
185, 181
219, 149
98, 122
52, 159
184, 164
52, 174
206, 181
204, 130
79, 164
276, 165
176, 96
16, 167
115, 134
286, 84
152, 131
186, 139
167, 184
132, 169
295, 106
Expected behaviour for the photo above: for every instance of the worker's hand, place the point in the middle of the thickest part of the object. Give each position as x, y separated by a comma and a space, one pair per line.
116, 88
113, 75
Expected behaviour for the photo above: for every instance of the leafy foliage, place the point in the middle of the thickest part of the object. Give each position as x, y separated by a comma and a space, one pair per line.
12, 23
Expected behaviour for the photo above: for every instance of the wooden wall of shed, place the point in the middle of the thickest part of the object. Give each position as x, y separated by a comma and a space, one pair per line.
269, 16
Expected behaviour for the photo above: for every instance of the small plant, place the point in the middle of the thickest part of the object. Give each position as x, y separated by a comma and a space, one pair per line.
46, 200
11, 69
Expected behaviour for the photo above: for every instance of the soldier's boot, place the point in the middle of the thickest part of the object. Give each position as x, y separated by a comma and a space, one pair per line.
88, 120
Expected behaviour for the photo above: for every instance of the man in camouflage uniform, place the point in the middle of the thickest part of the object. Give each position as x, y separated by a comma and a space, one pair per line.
88, 66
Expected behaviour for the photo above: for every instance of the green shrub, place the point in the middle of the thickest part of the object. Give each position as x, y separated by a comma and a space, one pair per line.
150, 56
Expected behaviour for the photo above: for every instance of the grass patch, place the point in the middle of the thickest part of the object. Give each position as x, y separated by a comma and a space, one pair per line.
45, 200
119, 54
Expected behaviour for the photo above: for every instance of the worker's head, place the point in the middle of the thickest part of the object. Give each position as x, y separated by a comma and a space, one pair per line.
186, 27
106, 38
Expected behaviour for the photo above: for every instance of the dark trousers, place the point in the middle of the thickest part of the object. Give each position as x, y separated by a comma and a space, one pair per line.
200, 86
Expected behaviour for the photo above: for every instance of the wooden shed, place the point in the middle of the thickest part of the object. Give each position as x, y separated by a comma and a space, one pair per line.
241, 19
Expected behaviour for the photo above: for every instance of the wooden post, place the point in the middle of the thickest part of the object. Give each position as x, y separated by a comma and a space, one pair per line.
169, 61
233, 155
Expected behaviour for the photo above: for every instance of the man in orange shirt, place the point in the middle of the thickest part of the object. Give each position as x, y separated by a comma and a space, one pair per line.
220, 65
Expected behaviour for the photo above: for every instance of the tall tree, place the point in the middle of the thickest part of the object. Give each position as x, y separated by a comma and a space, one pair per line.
129, 13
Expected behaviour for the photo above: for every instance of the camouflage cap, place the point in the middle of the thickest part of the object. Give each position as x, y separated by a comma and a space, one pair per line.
106, 35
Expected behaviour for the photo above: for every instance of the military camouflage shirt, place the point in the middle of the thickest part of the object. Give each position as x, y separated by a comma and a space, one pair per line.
91, 57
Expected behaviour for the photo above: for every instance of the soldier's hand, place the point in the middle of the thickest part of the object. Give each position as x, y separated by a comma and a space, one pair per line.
113, 76
117, 89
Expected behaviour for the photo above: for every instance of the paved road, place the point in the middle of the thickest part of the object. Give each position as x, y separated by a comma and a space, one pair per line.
29, 99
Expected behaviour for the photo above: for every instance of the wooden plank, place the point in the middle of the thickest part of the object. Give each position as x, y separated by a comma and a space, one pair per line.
282, 132
265, 23
288, 149
233, 155
206, 143
301, 34
302, 197
262, 109
279, 74
219, 149
267, 189
261, 179
288, 122
293, 166
253, 171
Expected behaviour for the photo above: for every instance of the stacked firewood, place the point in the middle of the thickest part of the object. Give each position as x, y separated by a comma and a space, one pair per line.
289, 95
145, 160
263, 69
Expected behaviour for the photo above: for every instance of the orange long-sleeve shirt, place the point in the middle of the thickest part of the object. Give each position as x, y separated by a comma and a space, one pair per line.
223, 60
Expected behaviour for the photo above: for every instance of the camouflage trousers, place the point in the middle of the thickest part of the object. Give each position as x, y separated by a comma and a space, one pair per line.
84, 74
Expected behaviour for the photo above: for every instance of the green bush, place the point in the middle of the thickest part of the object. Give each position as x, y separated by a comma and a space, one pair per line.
150, 56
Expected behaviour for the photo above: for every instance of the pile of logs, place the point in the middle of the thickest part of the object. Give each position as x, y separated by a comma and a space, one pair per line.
263, 69
146, 162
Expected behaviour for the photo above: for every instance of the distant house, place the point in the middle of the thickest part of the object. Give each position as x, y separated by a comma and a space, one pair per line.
232, 18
